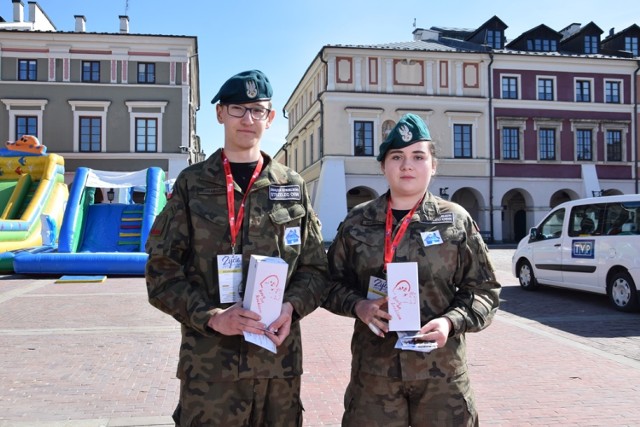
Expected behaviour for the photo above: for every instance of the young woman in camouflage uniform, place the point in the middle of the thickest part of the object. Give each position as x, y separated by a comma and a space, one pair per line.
237, 203
458, 292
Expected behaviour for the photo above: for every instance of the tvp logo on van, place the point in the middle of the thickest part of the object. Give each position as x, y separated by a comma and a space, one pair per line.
583, 249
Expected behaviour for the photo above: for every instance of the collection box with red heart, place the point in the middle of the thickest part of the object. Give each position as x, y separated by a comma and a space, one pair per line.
266, 280
404, 298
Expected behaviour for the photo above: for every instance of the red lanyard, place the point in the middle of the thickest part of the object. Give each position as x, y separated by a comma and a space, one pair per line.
389, 245
235, 224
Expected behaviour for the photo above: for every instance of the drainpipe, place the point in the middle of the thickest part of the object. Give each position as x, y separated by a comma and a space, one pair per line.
491, 149
635, 124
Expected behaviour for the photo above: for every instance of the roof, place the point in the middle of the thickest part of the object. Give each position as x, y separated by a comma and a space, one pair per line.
444, 44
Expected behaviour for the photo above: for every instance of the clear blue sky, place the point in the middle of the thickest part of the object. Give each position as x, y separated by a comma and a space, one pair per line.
282, 37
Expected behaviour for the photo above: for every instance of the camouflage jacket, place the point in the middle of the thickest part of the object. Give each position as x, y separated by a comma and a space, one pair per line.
456, 278
182, 276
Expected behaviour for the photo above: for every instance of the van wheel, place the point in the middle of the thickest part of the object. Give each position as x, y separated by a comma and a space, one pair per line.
526, 277
622, 292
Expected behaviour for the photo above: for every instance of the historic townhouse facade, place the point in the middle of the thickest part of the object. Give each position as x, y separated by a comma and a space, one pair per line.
520, 126
107, 101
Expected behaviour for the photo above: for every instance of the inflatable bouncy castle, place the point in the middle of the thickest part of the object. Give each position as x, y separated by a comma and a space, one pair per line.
100, 236
31, 187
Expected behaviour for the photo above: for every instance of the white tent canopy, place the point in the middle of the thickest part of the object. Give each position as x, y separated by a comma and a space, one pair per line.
110, 179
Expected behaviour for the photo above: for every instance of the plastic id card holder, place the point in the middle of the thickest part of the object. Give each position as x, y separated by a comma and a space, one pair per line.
229, 277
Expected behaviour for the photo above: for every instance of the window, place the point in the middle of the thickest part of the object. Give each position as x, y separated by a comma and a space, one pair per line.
311, 148
510, 88
583, 91
586, 220
90, 133
631, 45
30, 112
462, 141
622, 218
542, 45
547, 143
551, 228
91, 71
363, 138
494, 39
583, 145
304, 153
146, 135
146, 72
614, 145
545, 89
26, 125
611, 92
591, 44
27, 69
510, 143
145, 126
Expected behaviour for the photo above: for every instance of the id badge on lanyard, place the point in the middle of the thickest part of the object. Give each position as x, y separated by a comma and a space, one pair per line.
229, 277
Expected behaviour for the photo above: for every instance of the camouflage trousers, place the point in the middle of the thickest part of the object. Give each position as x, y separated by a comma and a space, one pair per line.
248, 403
372, 400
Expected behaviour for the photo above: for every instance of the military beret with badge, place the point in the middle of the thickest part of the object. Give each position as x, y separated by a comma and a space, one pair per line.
244, 87
409, 129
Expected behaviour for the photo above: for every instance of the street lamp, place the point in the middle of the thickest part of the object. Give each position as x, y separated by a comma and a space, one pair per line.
443, 193
110, 195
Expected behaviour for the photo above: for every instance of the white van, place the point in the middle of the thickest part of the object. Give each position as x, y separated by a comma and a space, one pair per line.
588, 244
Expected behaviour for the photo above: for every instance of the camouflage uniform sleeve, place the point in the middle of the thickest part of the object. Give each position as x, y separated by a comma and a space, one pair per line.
341, 298
478, 296
308, 283
168, 246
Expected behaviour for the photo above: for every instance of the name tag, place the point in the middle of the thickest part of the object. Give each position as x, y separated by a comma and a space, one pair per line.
446, 218
229, 277
285, 192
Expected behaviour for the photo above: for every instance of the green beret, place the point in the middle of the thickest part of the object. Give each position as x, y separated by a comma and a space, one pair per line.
409, 129
247, 86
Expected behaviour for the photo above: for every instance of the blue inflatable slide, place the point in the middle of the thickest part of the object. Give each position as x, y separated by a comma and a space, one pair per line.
101, 238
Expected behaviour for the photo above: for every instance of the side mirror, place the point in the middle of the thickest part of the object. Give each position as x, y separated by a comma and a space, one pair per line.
533, 234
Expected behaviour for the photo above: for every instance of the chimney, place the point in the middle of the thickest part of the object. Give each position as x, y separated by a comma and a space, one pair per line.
611, 31
124, 24
81, 22
18, 11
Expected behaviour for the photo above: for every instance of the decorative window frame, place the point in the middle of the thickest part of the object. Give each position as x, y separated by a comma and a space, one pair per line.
624, 128
25, 107
91, 108
365, 115
464, 118
620, 94
590, 125
555, 87
512, 122
548, 124
591, 89
518, 78
132, 106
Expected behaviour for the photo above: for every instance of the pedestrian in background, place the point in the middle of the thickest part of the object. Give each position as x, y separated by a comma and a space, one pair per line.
237, 203
458, 292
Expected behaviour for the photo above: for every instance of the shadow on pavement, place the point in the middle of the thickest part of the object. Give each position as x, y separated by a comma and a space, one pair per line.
579, 313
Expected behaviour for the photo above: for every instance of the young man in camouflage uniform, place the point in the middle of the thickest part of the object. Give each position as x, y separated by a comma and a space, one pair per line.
458, 293
237, 203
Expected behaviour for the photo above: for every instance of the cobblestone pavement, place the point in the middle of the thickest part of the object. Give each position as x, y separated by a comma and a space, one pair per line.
97, 354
